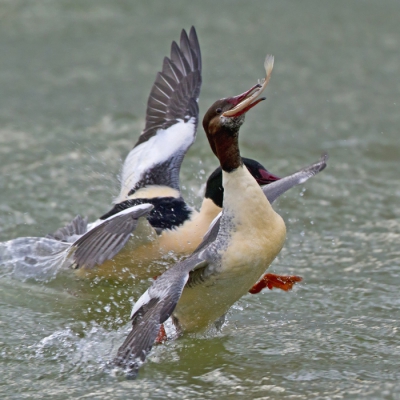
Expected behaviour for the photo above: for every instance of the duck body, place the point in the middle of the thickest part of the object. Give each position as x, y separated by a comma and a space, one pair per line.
251, 235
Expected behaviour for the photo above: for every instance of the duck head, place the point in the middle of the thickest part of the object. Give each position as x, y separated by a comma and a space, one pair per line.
224, 118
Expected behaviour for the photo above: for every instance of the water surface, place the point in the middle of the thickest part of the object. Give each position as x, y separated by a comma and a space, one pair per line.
74, 80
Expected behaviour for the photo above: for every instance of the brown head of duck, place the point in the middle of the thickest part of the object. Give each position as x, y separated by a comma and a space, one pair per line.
224, 118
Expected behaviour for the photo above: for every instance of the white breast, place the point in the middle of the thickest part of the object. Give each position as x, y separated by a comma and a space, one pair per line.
254, 234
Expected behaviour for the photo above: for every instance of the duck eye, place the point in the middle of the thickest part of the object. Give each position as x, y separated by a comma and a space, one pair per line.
218, 110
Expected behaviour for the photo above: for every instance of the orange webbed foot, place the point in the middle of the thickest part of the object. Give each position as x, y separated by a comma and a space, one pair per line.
162, 335
284, 282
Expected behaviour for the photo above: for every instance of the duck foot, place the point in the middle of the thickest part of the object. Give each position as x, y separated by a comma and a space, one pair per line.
284, 282
162, 336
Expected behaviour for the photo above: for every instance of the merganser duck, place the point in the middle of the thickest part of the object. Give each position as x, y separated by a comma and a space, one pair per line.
238, 248
150, 175
149, 188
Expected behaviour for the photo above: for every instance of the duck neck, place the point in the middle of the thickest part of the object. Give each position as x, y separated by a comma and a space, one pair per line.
226, 148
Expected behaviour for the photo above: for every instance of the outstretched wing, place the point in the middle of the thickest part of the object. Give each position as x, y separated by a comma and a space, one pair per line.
106, 239
171, 121
277, 188
152, 309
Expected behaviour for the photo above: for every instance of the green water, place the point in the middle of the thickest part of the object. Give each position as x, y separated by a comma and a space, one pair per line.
74, 81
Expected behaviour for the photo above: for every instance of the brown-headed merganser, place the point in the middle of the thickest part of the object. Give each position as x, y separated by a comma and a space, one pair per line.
238, 248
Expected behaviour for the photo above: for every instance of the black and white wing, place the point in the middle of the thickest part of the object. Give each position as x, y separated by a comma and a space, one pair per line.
171, 121
275, 189
152, 309
106, 239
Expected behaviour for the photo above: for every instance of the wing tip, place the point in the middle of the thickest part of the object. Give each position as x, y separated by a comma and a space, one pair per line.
323, 161
181, 72
76, 227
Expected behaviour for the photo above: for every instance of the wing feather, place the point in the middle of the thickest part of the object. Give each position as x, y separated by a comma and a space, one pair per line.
153, 308
105, 240
277, 188
171, 120
70, 232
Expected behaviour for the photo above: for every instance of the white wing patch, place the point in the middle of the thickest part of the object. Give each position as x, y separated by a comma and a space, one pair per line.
156, 150
138, 207
144, 299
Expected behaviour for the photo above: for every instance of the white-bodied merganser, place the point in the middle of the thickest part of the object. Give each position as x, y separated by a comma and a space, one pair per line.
235, 252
